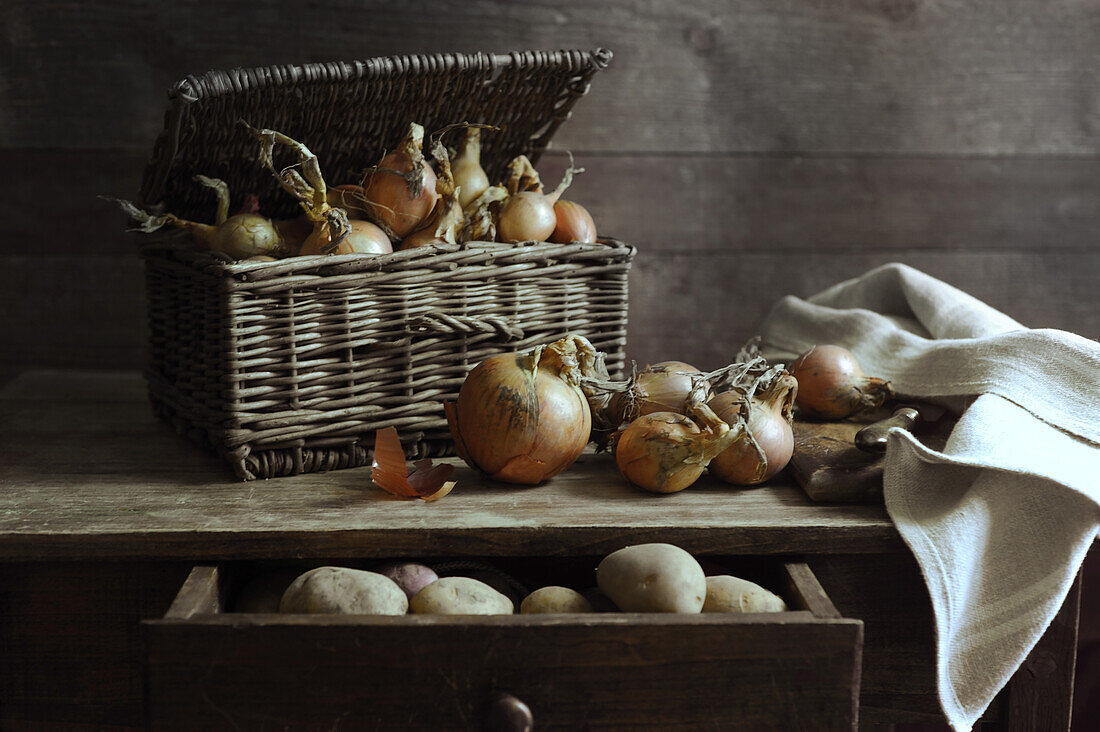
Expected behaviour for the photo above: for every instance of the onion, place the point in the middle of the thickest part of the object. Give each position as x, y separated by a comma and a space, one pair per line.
349, 197
331, 226
240, 236
400, 191
768, 442
481, 216
520, 417
446, 219
295, 231
665, 452
469, 176
362, 238
661, 387
574, 223
831, 384
528, 215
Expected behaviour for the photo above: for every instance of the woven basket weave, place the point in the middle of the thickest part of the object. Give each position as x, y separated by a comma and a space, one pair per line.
290, 366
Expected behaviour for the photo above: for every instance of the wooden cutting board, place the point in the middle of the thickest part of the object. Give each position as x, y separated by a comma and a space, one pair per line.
829, 467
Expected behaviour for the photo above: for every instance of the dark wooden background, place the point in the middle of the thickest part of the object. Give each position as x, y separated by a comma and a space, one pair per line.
749, 149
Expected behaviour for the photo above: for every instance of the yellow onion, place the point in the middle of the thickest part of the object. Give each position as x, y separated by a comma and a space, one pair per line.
349, 197
768, 442
470, 177
399, 192
528, 214
447, 218
573, 223
362, 238
240, 236
660, 387
832, 385
520, 417
665, 452
295, 231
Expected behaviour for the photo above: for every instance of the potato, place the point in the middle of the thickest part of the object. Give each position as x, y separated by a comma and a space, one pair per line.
555, 599
409, 576
460, 596
653, 578
339, 590
726, 594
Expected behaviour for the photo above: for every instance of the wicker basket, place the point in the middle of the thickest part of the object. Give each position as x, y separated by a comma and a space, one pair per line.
290, 366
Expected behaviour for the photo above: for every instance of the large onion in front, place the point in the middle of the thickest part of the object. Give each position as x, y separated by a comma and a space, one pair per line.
520, 417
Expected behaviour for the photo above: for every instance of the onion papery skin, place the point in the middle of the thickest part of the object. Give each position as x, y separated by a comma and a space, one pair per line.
652, 451
390, 200
422, 238
518, 422
574, 224
469, 176
832, 385
741, 464
364, 238
659, 387
247, 235
349, 197
526, 216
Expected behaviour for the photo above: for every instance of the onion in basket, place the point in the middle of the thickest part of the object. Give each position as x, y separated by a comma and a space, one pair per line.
469, 176
521, 417
528, 214
240, 236
400, 190
445, 221
574, 223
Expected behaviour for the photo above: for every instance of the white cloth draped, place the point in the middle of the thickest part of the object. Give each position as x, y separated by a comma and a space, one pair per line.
1001, 519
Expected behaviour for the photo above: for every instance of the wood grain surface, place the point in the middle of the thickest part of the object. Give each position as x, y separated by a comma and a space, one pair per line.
750, 151
86, 471
877, 76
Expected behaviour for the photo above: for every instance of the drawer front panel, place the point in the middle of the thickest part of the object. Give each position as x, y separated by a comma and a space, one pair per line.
629, 673
212, 669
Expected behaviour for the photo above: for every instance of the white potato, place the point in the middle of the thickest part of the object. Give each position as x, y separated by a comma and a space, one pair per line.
726, 594
555, 599
460, 596
653, 578
339, 590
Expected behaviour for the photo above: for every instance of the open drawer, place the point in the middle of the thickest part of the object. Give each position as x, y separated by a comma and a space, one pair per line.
208, 668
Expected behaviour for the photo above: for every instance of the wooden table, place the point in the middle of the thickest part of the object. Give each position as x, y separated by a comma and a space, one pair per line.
104, 511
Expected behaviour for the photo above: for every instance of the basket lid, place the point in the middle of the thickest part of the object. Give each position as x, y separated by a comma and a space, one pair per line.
349, 114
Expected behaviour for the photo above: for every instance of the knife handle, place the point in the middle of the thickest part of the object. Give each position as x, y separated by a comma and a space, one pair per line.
872, 438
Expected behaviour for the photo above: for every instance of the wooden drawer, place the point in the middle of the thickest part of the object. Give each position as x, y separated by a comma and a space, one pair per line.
212, 669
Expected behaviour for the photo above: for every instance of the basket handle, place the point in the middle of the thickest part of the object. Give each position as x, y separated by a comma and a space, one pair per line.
466, 325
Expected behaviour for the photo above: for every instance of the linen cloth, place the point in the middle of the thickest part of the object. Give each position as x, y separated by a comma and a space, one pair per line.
1001, 519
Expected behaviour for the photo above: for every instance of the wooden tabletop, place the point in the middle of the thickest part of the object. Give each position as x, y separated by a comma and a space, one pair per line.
86, 471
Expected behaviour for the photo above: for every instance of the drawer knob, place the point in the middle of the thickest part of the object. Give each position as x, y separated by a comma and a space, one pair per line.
509, 714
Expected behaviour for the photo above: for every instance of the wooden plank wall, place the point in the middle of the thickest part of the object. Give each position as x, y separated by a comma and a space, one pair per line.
749, 149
